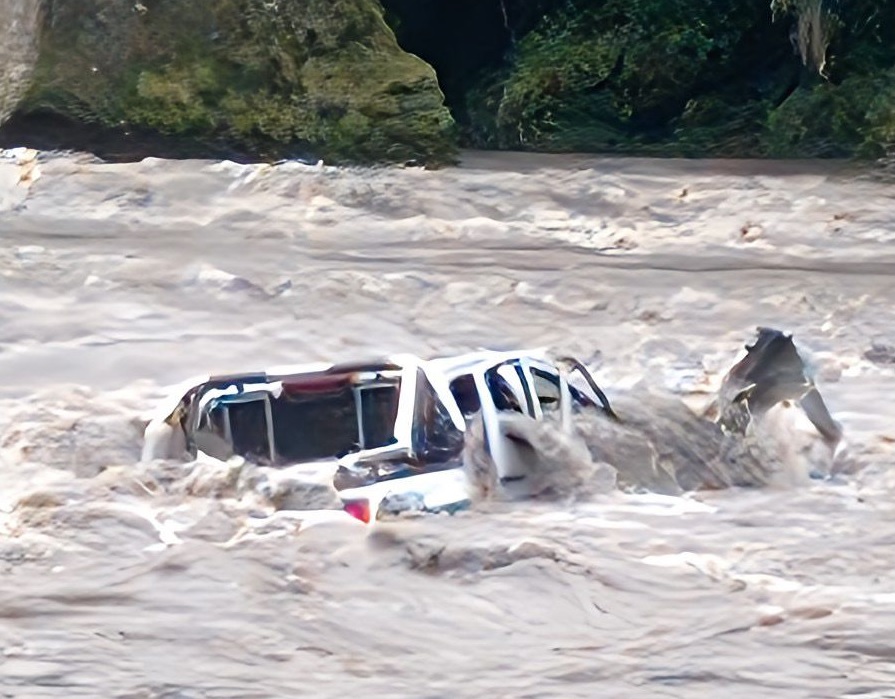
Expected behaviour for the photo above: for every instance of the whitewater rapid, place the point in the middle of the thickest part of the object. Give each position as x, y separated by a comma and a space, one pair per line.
124, 579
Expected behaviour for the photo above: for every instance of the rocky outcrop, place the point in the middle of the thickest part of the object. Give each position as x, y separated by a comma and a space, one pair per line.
273, 79
18, 50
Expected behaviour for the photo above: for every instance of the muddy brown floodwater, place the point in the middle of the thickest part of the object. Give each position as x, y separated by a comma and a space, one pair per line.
121, 579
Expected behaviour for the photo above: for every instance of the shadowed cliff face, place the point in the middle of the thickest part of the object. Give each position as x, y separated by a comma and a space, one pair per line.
459, 38
662, 77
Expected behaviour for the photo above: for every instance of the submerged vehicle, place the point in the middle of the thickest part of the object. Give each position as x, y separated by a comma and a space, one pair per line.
374, 423
390, 434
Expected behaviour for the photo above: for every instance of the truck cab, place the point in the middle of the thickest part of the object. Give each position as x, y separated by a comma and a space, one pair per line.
381, 426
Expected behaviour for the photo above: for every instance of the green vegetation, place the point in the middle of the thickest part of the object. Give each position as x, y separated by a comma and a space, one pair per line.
321, 77
789, 78
327, 78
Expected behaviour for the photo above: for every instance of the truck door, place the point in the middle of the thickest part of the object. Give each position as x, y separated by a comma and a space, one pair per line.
505, 393
550, 391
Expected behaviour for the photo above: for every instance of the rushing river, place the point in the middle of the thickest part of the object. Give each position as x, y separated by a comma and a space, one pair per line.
122, 579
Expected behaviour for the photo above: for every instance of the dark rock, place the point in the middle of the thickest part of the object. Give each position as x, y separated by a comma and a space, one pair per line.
880, 353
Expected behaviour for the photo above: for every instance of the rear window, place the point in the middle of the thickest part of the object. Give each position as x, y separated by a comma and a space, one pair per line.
379, 411
310, 420
315, 426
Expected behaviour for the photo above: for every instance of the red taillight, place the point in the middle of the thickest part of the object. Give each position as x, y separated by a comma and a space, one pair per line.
359, 509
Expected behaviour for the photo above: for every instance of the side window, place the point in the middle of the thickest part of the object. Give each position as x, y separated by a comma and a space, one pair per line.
466, 394
436, 439
502, 393
547, 390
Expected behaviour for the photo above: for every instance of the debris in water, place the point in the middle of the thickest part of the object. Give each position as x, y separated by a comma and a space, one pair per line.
880, 352
772, 372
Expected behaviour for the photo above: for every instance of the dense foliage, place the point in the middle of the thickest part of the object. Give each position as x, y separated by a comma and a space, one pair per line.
695, 77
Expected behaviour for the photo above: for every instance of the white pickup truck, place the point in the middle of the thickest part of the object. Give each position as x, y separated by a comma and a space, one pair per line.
374, 423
